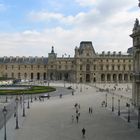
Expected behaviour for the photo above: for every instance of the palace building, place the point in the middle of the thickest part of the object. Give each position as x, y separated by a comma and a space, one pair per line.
85, 66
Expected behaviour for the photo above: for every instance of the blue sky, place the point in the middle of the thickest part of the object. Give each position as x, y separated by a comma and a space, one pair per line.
31, 27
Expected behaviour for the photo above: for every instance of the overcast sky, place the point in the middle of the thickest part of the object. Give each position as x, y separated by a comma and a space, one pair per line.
31, 27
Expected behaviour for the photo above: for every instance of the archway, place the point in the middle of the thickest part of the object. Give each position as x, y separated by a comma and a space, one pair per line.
125, 77
114, 77
87, 77
102, 77
120, 77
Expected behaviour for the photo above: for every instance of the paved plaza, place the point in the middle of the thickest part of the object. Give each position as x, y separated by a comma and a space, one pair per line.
52, 119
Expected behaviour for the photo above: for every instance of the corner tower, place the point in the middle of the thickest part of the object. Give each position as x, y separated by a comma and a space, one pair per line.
136, 63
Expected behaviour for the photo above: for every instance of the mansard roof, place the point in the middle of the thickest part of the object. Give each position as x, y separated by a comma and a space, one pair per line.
24, 60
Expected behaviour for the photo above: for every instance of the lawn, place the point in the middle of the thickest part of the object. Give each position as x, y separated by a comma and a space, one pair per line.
32, 90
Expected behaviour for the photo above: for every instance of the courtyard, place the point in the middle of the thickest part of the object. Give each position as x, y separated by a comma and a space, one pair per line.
52, 119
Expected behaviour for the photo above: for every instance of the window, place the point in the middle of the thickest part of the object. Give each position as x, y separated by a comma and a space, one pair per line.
12, 75
87, 67
18, 75
112, 67
12, 67
129, 67
107, 67
101, 67
6, 67
80, 67
118, 67
51, 66
25, 66
59, 66
18, 67
94, 67
123, 67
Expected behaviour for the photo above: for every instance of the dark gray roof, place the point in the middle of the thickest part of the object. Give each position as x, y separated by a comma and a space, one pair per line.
24, 60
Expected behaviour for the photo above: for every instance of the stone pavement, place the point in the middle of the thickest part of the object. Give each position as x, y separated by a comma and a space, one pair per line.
52, 120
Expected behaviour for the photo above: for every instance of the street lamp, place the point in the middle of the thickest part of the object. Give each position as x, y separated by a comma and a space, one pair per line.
23, 107
28, 106
113, 103
16, 100
106, 100
31, 98
139, 118
118, 107
128, 118
5, 113
64, 82
80, 87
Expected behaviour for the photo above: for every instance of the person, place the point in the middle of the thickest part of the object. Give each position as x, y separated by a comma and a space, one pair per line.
89, 110
72, 92
83, 132
77, 118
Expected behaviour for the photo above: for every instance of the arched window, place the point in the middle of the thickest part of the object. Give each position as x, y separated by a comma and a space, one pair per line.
38, 76
102, 77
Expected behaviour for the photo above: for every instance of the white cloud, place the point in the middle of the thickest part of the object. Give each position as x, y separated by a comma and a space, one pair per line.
107, 25
86, 2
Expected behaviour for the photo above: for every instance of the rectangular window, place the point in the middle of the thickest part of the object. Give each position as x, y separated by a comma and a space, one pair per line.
80, 67
118, 67
112, 67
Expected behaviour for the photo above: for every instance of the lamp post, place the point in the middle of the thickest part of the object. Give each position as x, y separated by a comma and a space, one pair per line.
128, 118
31, 98
64, 82
113, 103
118, 107
17, 126
28, 106
5, 113
106, 100
23, 106
80, 87
139, 118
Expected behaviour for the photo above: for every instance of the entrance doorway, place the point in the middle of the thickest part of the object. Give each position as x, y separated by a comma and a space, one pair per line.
87, 77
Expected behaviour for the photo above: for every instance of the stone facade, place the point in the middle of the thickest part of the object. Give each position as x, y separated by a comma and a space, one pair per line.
136, 63
85, 66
